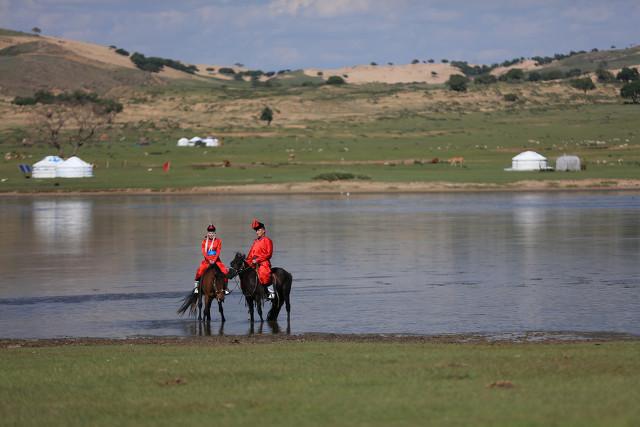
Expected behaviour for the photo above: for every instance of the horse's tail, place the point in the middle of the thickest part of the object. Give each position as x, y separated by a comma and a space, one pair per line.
189, 302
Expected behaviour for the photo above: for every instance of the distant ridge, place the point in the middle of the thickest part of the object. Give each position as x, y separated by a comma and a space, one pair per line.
30, 62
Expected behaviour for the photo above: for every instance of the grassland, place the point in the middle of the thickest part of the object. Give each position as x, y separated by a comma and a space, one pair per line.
310, 383
387, 133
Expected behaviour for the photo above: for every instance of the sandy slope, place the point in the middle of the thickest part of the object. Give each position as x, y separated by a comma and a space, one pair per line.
526, 65
406, 73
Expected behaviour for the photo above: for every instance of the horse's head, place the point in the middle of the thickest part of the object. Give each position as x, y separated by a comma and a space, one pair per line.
238, 261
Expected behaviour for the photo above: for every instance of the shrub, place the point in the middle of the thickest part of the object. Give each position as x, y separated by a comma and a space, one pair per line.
604, 76
154, 64
485, 79
458, 83
552, 75
415, 61
534, 76
122, 52
510, 97
226, 70
339, 176
513, 75
335, 80
574, 72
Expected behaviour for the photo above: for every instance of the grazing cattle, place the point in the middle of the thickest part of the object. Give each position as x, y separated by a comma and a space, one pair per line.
456, 161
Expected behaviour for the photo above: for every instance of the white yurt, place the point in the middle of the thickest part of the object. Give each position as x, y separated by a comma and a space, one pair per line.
567, 163
529, 161
47, 167
195, 140
75, 167
183, 142
210, 142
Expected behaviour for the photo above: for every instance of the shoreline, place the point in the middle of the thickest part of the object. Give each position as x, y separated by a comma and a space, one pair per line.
358, 187
520, 338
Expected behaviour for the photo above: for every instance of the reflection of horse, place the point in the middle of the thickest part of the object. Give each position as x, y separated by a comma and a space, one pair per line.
254, 293
211, 286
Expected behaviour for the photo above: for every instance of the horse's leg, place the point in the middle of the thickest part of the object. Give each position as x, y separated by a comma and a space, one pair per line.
200, 305
221, 311
207, 307
250, 306
259, 307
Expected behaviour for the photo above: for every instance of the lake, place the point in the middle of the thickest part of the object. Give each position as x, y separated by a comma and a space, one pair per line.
117, 266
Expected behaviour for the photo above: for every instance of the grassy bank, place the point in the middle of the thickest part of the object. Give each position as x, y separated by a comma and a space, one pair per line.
322, 383
384, 145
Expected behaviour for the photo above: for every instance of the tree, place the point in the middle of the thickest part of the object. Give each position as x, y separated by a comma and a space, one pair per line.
458, 83
79, 115
628, 74
583, 84
631, 91
36, 30
267, 115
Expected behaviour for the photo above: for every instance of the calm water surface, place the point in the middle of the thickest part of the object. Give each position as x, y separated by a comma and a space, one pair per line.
117, 266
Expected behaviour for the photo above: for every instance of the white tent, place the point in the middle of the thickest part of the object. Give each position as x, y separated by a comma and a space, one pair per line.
528, 161
47, 167
566, 163
195, 140
211, 142
184, 142
74, 167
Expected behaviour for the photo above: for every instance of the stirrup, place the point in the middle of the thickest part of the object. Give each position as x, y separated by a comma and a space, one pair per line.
227, 291
271, 296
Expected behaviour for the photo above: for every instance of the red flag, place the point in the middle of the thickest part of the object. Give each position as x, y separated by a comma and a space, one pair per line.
166, 166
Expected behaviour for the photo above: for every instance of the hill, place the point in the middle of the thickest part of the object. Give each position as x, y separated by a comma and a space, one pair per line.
32, 62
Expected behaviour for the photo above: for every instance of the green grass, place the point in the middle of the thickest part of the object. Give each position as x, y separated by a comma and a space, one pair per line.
322, 383
487, 141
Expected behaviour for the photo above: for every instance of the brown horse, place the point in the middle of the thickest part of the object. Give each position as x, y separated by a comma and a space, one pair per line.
211, 286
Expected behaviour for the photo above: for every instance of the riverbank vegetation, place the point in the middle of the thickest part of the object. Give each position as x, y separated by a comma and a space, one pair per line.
311, 383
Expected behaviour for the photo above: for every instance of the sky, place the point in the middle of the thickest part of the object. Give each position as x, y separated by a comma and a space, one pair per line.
278, 34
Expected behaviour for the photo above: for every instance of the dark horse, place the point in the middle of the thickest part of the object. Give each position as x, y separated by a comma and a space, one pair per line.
255, 293
211, 287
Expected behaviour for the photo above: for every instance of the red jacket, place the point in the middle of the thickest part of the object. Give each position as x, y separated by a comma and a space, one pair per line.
211, 249
261, 250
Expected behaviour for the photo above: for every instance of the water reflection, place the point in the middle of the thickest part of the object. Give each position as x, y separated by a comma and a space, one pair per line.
118, 266
62, 224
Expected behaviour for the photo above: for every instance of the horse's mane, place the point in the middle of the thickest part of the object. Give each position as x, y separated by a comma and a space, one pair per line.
241, 255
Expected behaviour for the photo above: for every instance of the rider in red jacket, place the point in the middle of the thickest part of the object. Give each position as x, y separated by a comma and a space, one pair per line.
259, 257
211, 251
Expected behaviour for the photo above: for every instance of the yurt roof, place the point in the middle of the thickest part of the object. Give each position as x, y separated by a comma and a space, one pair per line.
48, 161
75, 162
529, 155
195, 139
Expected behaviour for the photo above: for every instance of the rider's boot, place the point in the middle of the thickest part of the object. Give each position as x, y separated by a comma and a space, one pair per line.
272, 292
226, 286
195, 287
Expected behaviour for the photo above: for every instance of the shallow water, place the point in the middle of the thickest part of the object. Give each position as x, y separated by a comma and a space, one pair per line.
117, 266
